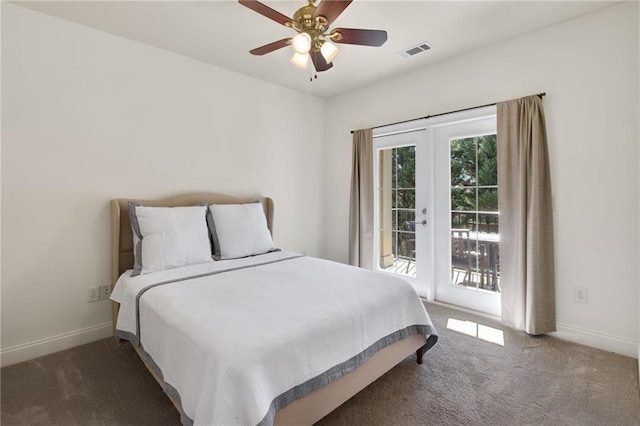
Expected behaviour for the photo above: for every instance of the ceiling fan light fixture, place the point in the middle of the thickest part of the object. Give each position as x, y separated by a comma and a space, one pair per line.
314, 39
329, 51
300, 60
301, 43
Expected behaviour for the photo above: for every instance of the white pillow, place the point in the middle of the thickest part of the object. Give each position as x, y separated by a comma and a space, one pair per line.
168, 237
239, 230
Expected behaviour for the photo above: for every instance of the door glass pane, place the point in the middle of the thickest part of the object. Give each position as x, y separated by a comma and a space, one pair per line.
463, 199
463, 162
475, 236
396, 174
488, 199
462, 220
487, 161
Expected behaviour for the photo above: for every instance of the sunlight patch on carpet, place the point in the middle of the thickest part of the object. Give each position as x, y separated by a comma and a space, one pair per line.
473, 329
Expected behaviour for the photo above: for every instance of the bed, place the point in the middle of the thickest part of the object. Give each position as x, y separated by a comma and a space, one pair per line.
260, 339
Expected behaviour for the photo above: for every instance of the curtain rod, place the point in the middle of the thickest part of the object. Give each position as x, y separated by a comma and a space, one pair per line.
444, 113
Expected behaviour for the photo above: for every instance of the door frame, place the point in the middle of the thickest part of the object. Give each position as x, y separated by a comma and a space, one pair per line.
427, 128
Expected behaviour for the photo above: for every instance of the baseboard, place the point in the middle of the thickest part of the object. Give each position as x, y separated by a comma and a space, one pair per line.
468, 311
606, 342
49, 345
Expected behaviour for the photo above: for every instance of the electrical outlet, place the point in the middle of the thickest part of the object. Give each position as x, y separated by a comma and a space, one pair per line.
93, 294
105, 292
581, 295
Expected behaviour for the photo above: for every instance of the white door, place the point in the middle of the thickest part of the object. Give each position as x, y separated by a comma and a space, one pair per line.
401, 243
467, 234
435, 210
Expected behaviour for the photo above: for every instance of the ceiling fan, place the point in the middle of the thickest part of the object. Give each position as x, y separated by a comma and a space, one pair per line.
314, 38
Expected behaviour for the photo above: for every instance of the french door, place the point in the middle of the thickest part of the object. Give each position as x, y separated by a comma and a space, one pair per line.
436, 212
401, 213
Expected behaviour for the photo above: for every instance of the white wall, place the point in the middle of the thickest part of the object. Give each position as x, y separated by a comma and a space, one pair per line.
88, 117
588, 67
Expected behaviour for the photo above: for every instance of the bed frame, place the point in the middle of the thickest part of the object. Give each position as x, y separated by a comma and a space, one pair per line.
310, 408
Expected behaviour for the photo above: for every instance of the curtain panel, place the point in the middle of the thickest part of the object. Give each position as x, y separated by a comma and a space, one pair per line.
526, 217
361, 203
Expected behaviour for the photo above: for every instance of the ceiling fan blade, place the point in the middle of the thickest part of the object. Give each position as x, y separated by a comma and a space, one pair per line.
319, 62
265, 10
361, 37
268, 48
331, 9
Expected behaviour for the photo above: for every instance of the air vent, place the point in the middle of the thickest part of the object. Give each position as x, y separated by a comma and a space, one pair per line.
412, 51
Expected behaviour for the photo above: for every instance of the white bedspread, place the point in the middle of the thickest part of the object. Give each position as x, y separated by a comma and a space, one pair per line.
250, 335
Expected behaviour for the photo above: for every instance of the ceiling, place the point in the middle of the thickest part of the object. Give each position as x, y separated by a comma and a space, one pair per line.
222, 33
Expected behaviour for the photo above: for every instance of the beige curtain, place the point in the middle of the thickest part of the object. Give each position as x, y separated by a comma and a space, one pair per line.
526, 217
361, 205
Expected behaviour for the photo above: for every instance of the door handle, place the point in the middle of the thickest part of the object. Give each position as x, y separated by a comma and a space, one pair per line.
424, 222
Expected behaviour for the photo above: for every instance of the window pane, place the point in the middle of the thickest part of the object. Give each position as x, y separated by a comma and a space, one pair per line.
463, 162
488, 199
407, 240
495, 225
487, 161
462, 220
487, 223
385, 169
405, 166
405, 199
394, 166
460, 257
463, 199
394, 245
404, 217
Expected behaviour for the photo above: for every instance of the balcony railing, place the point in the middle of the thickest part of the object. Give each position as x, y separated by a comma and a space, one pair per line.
475, 258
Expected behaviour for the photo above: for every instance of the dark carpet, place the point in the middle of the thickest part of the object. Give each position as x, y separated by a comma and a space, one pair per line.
463, 381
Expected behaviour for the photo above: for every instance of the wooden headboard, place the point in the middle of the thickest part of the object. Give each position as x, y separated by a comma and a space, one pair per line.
122, 235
